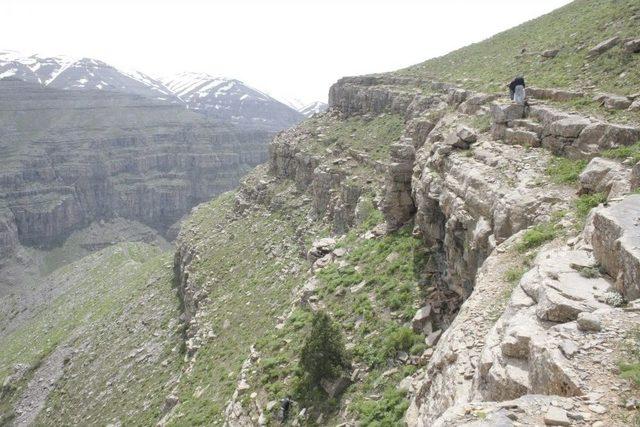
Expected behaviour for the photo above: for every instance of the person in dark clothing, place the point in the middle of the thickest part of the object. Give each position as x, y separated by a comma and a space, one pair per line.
285, 404
518, 81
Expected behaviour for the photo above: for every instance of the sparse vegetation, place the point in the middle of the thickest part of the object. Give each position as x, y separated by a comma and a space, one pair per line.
573, 29
537, 235
369, 136
562, 170
630, 362
628, 152
585, 203
514, 274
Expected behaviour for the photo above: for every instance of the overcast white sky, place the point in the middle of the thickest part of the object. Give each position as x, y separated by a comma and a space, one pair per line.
289, 48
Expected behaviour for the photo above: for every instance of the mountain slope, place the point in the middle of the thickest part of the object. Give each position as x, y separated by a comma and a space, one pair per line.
105, 345
229, 99
573, 30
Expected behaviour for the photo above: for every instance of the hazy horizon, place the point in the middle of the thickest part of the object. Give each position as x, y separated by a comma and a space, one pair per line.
303, 48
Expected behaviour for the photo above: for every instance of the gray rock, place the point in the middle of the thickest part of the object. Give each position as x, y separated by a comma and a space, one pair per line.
615, 102
433, 338
602, 47
632, 46
604, 176
551, 53
553, 94
503, 113
569, 127
589, 322
556, 417
568, 347
421, 321
467, 135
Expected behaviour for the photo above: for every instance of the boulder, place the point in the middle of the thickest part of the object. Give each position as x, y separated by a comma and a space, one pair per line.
604, 176
598, 136
569, 127
320, 248
589, 322
553, 94
632, 46
475, 102
433, 338
454, 141
635, 105
467, 135
551, 53
635, 176
521, 137
503, 113
613, 101
421, 322
602, 47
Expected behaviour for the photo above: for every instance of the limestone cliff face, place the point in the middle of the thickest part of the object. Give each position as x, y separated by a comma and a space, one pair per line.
471, 194
69, 157
470, 172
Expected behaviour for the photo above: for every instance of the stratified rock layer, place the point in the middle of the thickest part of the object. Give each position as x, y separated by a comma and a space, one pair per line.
70, 157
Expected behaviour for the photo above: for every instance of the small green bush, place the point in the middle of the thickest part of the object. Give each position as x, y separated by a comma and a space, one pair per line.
586, 202
400, 339
536, 236
565, 171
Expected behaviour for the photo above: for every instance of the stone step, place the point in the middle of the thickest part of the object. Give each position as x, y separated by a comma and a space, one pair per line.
521, 137
528, 124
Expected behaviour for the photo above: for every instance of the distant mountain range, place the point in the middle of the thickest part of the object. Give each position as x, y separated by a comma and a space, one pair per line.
218, 97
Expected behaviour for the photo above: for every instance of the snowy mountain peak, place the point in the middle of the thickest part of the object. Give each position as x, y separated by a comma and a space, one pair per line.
220, 97
313, 108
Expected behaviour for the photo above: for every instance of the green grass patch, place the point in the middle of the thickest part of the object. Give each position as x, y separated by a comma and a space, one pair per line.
565, 171
629, 364
514, 274
586, 202
575, 28
370, 136
536, 236
621, 153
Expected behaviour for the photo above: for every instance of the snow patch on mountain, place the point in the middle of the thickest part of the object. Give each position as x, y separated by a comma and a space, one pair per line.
313, 108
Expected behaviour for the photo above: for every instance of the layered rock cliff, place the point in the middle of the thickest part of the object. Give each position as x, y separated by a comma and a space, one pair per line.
482, 184
71, 157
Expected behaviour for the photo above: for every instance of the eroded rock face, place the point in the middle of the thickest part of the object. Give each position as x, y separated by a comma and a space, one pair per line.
398, 204
616, 243
467, 202
83, 155
605, 176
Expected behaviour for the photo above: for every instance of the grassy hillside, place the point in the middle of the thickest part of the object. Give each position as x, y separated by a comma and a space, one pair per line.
117, 324
572, 29
247, 267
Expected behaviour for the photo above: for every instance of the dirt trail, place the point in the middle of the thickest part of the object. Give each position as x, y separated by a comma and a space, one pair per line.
44, 379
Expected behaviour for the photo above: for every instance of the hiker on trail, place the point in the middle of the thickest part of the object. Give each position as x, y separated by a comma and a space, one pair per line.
285, 404
516, 90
